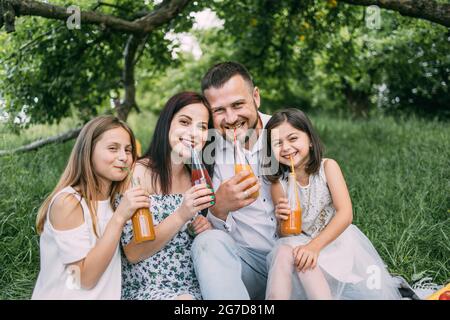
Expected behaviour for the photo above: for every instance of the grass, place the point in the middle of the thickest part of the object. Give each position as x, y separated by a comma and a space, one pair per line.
398, 173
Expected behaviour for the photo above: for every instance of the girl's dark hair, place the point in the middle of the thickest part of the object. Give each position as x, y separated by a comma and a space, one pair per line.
158, 153
300, 121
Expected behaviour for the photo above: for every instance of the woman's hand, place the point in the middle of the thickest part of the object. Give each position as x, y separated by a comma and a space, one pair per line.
305, 257
282, 210
200, 224
132, 200
197, 198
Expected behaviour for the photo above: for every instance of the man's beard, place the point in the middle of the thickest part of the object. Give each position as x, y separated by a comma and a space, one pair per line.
250, 130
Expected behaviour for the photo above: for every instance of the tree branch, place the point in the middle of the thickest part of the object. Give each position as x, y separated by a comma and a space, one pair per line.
50, 11
129, 54
430, 10
166, 11
43, 142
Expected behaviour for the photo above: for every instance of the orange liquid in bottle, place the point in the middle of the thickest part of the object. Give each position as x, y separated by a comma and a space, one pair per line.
241, 167
293, 225
143, 226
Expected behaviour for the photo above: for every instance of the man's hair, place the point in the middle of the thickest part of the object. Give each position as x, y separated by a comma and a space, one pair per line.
219, 74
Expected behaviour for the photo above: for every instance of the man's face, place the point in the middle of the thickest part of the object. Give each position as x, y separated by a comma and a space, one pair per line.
234, 106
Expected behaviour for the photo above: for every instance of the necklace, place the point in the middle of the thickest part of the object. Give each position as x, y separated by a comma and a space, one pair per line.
309, 195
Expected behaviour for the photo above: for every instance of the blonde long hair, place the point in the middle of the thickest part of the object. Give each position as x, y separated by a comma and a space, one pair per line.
80, 171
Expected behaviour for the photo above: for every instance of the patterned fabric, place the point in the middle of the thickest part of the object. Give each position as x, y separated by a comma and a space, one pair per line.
169, 272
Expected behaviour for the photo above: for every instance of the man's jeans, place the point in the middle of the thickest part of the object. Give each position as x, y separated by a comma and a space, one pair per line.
227, 271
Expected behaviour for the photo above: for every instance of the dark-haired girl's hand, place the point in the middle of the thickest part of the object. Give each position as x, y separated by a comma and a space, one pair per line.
305, 257
282, 210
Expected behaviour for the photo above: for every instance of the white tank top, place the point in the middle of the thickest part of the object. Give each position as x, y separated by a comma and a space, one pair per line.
58, 249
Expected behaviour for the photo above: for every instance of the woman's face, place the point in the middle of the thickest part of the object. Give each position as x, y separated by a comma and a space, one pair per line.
288, 142
112, 153
189, 128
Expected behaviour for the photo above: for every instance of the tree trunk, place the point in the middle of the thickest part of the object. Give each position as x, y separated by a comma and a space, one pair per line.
43, 142
357, 102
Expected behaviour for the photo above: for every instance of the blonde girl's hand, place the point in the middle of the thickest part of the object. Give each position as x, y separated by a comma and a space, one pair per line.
197, 198
282, 210
200, 224
305, 257
132, 200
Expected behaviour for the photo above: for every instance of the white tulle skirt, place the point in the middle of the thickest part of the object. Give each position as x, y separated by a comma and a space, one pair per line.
350, 264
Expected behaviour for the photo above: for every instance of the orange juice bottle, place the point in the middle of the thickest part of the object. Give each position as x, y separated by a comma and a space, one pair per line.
293, 225
142, 223
240, 164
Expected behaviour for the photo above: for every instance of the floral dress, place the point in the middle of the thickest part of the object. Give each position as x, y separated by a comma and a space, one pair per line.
169, 272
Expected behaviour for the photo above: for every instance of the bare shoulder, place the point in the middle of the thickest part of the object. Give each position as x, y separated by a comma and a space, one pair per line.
144, 173
330, 164
66, 212
140, 169
331, 168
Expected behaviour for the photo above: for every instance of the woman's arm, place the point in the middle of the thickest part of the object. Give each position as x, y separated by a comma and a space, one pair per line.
170, 226
164, 232
342, 203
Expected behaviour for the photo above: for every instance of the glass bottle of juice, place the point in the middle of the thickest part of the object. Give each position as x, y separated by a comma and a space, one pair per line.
293, 225
241, 164
142, 222
199, 174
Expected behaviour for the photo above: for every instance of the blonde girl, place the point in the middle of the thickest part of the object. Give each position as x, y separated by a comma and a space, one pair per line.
79, 231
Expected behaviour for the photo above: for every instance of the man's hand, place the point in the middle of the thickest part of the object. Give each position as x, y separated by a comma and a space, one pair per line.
234, 194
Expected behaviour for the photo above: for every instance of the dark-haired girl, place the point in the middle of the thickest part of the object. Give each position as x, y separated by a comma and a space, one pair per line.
331, 258
162, 268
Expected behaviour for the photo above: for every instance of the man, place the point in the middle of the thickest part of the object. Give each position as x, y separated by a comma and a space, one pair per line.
230, 261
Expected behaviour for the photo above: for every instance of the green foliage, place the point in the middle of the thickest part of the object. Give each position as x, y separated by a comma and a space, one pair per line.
397, 173
154, 91
321, 54
52, 72
58, 74
311, 54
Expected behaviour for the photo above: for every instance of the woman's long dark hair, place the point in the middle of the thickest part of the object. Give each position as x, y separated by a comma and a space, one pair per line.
158, 153
300, 121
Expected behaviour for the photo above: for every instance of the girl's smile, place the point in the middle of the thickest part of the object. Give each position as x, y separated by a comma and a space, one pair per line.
289, 142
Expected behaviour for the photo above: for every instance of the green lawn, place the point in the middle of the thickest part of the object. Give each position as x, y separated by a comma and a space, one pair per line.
398, 173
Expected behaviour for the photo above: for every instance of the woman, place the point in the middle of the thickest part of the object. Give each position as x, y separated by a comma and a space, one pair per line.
162, 268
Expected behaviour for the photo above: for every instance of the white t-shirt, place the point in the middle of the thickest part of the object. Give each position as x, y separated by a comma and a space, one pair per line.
58, 249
